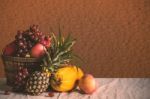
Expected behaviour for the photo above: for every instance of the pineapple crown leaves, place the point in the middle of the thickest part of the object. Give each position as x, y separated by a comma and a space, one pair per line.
60, 51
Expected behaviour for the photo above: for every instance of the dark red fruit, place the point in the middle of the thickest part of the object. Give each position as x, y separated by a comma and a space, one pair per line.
6, 92
32, 37
30, 45
50, 94
19, 32
18, 55
36, 38
20, 43
24, 39
34, 28
26, 50
30, 33
10, 49
46, 42
40, 33
24, 47
20, 51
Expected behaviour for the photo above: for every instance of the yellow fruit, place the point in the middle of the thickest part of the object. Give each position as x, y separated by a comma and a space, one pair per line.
79, 72
64, 79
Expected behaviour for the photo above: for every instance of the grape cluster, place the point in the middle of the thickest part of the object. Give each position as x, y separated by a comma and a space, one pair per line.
21, 78
25, 40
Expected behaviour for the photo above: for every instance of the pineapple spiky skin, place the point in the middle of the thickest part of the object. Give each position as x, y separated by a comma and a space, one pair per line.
37, 83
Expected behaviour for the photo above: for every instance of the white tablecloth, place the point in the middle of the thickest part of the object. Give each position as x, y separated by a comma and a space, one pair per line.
108, 88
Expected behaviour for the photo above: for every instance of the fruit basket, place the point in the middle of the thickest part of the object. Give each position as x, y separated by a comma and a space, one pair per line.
24, 53
35, 62
11, 65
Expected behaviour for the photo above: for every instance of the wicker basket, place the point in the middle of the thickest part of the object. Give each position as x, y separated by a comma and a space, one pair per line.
11, 65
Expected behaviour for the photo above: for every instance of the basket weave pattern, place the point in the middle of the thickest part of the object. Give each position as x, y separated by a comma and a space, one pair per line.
11, 65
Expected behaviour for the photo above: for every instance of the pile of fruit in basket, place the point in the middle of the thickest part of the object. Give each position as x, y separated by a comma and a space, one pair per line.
56, 70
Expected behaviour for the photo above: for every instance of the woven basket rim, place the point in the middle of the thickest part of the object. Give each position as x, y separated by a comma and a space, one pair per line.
19, 59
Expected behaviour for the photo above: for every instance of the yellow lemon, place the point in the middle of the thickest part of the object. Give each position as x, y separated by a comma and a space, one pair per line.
64, 79
79, 72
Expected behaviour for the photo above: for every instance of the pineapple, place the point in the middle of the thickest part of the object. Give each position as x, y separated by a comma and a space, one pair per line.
37, 83
57, 60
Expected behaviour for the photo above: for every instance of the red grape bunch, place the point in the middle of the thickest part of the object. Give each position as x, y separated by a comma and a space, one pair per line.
27, 40
21, 78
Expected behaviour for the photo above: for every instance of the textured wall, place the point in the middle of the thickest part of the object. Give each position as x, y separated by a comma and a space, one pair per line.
113, 35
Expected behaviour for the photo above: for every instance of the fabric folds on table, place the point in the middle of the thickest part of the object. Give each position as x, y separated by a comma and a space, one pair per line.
107, 88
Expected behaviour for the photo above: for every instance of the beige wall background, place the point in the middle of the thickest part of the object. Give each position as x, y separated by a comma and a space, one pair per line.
113, 36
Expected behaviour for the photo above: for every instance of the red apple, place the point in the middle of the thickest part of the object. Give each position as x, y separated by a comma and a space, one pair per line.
87, 84
10, 49
38, 50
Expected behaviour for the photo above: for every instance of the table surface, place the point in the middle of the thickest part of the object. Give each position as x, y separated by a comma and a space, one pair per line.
107, 88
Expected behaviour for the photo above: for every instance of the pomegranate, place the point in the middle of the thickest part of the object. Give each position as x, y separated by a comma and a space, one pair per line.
38, 50
10, 49
46, 42
87, 84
